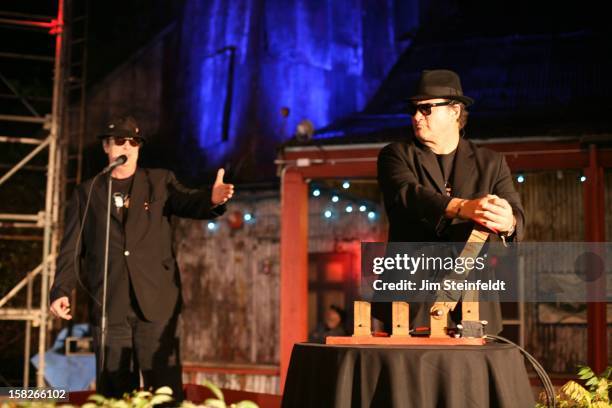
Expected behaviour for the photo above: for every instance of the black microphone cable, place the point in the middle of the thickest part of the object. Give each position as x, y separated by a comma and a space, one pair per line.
551, 400
77, 245
76, 262
119, 161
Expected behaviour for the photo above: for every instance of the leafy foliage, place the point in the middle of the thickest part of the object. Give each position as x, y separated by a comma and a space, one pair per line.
141, 399
594, 394
219, 401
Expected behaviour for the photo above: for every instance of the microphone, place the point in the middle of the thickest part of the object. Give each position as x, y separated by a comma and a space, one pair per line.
115, 163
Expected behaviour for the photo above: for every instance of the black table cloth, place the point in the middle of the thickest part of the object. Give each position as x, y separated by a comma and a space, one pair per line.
492, 375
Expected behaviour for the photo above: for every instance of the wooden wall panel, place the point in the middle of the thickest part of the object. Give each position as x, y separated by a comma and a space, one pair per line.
553, 203
608, 223
608, 209
553, 206
230, 286
267, 384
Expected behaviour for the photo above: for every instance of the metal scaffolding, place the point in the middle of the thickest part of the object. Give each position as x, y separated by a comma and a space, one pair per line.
64, 128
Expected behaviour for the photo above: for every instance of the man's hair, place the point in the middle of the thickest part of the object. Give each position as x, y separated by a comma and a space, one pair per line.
463, 115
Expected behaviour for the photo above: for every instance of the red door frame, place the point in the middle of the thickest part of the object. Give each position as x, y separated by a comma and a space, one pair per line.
301, 164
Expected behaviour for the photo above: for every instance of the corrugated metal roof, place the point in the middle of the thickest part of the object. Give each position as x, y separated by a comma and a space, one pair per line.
524, 86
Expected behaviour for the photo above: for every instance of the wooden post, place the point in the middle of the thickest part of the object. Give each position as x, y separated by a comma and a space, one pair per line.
363, 319
401, 319
594, 210
293, 266
439, 320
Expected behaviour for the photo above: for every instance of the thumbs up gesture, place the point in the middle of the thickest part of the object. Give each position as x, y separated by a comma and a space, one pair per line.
221, 192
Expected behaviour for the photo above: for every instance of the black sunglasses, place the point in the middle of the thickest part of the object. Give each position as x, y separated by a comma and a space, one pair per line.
425, 108
134, 141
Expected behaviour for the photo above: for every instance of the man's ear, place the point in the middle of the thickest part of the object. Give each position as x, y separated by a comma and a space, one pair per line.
105, 145
457, 110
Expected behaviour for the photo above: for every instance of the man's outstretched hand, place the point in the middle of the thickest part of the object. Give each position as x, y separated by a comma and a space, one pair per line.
221, 192
61, 308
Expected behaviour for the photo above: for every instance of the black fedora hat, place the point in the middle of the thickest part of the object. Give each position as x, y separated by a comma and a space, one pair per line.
440, 83
124, 126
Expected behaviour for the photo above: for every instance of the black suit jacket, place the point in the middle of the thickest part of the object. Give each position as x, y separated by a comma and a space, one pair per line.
415, 200
142, 246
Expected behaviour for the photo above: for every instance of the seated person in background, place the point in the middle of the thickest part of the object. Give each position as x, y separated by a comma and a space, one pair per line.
333, 325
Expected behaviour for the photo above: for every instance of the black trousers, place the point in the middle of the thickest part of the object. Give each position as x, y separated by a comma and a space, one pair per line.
136, 346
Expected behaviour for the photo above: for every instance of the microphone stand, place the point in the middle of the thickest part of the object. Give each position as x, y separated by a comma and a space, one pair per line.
103, 325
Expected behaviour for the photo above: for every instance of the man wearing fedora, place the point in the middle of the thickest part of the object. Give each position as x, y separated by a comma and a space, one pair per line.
143, 290
437, 185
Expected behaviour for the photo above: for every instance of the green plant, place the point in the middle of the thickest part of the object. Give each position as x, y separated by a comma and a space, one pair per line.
219, 401
594, 394
140, 399
137, 399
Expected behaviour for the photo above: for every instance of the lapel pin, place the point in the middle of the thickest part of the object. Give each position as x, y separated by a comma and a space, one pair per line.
119, 200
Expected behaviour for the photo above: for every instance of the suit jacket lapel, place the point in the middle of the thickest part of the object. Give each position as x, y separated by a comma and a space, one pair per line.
463, 169
430, 164
137, 222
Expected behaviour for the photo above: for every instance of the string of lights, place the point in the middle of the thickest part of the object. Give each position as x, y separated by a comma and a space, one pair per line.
350, 204
521, 178
339, 203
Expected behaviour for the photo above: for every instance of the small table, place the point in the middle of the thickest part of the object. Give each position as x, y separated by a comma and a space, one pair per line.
492, 375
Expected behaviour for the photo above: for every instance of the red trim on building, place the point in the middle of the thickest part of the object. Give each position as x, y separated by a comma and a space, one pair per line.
594, 231
294, 265
224, 369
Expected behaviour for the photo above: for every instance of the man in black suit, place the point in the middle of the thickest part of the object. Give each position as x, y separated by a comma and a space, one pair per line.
144, 292
437, 185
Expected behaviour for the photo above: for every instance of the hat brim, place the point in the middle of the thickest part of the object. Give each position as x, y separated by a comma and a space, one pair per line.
466, 100
120, 133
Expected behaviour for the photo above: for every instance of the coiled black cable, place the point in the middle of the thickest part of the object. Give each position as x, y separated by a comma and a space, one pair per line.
551, 400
